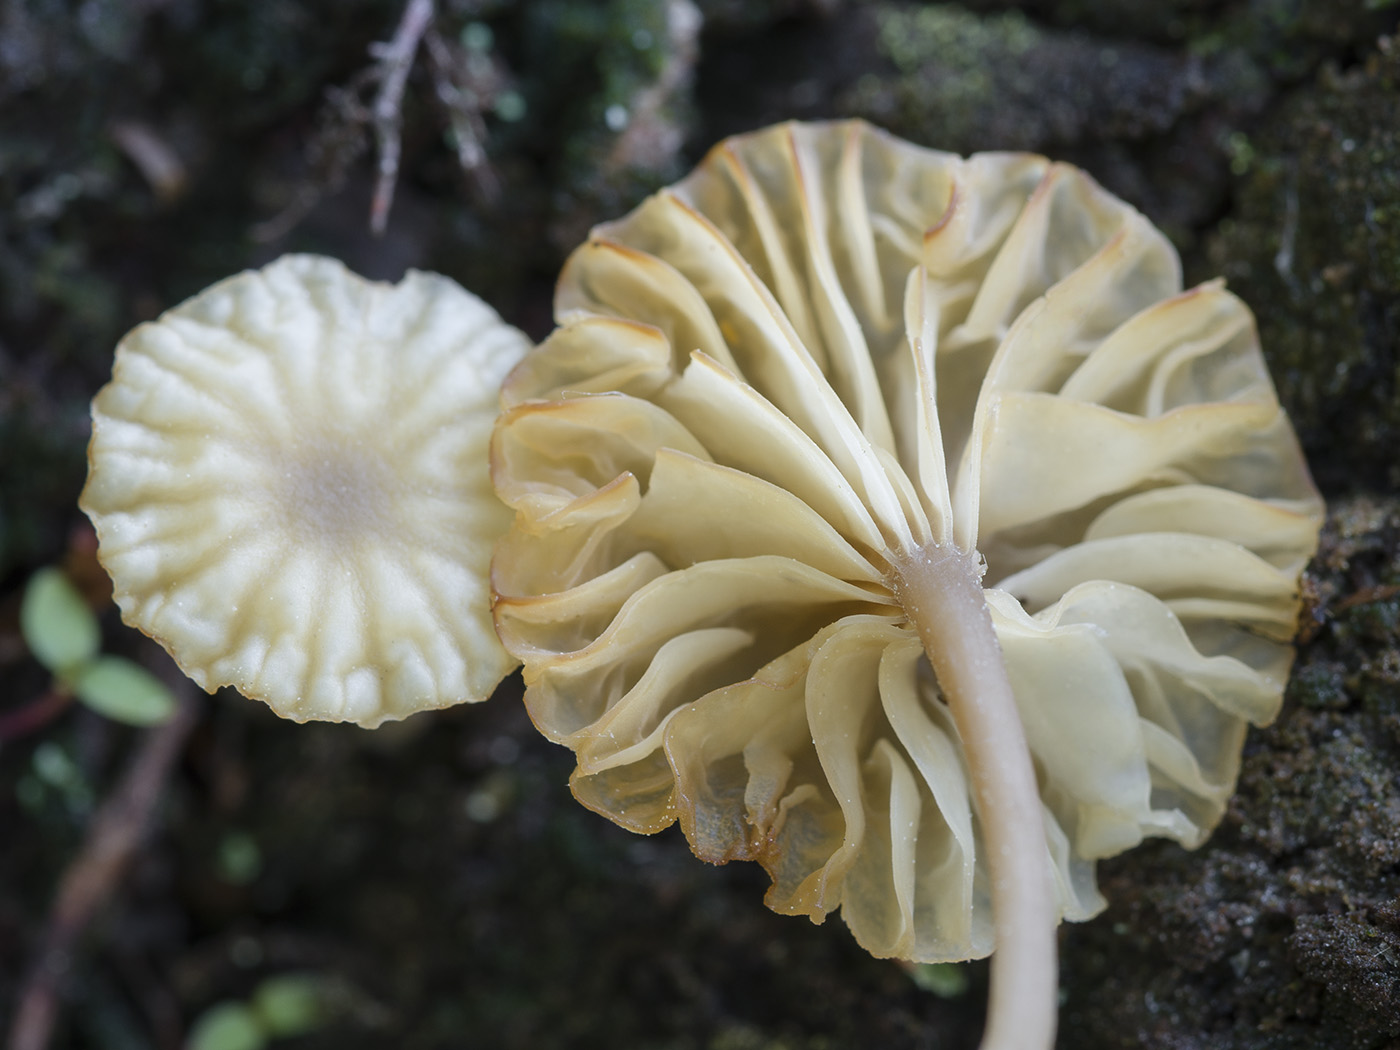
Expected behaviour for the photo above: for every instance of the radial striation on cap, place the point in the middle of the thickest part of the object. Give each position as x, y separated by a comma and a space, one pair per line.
288, 477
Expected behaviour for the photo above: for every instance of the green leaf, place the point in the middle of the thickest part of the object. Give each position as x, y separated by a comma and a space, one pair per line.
239, 858
56, 623
227, 1026
945, 980
117, 688
54, 767
290, 1004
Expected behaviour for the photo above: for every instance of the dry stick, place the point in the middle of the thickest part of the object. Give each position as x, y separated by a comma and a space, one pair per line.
116, 831
397, 59
941, 591
464, 116
34, 715
1367, 595
337, 142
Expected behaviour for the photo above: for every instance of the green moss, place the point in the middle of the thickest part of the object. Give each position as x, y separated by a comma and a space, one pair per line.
951, 69
966, 82
1320, 686
610, 84
1315, 249
1289, 36
911, 36
1164, 18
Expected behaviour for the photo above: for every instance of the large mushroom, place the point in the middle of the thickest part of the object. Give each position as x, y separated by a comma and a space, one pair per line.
288, 479
896, 520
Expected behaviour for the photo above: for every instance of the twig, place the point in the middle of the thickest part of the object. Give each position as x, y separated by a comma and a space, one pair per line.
153, 156
463, 109
113, 838
35, 714
465, 87
652, 142
397, 59
1366, 596
338, 141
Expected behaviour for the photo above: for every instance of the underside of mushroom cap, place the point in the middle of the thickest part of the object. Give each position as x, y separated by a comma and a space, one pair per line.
288, 480
822, 353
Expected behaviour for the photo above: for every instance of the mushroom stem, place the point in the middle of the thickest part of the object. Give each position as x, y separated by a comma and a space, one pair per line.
941, 591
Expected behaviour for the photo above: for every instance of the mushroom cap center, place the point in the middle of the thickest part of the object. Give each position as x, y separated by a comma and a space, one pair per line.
335, 487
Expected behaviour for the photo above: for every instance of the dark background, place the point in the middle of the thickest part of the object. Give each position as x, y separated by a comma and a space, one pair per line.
435, 878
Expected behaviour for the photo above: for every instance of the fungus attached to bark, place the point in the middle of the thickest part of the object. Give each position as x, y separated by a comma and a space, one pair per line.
897, 521
288, 478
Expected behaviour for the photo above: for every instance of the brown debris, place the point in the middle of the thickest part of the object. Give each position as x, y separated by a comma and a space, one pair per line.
116, 833
153, 156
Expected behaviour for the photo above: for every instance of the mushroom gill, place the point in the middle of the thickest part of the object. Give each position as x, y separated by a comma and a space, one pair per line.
895, 520
288, 478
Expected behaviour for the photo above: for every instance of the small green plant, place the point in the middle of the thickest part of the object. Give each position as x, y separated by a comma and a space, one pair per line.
62, 633
281, 1006
945, 980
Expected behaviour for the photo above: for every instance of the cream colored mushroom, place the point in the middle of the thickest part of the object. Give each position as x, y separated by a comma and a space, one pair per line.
897, 521
289, 484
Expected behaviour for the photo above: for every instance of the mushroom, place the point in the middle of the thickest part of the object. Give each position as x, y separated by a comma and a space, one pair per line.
288, 478
895, 520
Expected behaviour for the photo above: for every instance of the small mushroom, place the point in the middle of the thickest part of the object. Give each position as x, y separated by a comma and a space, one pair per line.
288, 477
895, 520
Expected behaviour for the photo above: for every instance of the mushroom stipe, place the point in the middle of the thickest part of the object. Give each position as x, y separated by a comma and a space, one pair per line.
893, 519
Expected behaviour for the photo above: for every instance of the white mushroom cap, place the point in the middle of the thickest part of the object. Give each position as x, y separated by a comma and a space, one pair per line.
821, 357
288, 477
